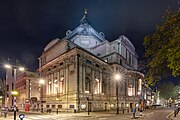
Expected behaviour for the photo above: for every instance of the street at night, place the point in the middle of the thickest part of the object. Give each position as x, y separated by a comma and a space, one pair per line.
89, 59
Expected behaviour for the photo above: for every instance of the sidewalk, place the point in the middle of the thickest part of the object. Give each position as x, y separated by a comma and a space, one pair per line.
175, 118
105, 114
171, 116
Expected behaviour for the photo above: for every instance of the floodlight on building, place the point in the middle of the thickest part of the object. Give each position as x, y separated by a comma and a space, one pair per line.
55, 80
41, 81
14, 93
62, 79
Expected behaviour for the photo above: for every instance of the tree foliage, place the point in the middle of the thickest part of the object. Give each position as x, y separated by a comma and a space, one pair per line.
162, 48
168, 90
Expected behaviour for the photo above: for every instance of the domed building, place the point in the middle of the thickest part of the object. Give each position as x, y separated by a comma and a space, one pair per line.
79, 72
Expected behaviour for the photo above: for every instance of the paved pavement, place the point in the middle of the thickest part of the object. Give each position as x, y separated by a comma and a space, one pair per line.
109, 115
175, 118
73, 116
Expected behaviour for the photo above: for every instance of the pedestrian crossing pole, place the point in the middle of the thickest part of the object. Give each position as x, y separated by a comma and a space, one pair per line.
14, 94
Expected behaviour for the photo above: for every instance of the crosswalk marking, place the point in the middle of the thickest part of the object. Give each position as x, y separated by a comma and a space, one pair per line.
38, 117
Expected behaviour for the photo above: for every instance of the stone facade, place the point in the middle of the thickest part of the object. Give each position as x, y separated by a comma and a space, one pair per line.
81, 67
28, 87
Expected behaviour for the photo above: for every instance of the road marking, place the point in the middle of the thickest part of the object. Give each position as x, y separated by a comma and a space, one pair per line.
37, 117
169, 116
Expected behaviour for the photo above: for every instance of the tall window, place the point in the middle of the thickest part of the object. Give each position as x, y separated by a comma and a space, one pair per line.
61, 85
97, 86
127, 56
130, 90
104, 86
49, 87
140, 85
87, 85
123, 51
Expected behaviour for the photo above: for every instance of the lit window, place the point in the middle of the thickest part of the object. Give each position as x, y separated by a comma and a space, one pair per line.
97, 86
140, 85
61, 85
130, 90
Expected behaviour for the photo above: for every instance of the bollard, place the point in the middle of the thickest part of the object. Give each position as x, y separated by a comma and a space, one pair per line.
174, 113
140, 112
56, 110
127, 110
123, 111
133, 115
74, 110
5, 114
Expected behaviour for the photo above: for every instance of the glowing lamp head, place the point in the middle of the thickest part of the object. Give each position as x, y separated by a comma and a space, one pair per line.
117, 77
21, 69
7, 66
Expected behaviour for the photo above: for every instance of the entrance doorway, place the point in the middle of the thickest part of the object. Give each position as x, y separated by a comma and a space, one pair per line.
105, 106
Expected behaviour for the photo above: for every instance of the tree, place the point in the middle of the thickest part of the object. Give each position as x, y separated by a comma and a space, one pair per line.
162, 48
168, 90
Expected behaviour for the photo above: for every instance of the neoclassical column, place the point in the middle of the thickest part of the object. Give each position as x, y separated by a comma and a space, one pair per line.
93, 78
47, 84
51, 79
66, 78
100, 86
58, 80
64, 82
83, 77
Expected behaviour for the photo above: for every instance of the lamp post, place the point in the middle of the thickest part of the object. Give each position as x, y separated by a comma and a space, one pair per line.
41, 82
14, 93
117, 78
88, 104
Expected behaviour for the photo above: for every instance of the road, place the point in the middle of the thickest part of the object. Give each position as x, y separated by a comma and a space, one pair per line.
158, 114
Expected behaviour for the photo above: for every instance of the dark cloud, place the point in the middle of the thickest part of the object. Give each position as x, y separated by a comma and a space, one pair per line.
26, 26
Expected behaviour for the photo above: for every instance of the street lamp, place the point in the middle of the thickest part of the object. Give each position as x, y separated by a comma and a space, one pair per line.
41, 82
14, 93
117, 77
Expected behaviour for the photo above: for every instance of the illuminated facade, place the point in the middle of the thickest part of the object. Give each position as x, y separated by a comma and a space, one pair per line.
28, 87
82, 65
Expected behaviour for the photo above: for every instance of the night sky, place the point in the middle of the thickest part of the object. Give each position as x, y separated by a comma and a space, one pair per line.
26, 26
